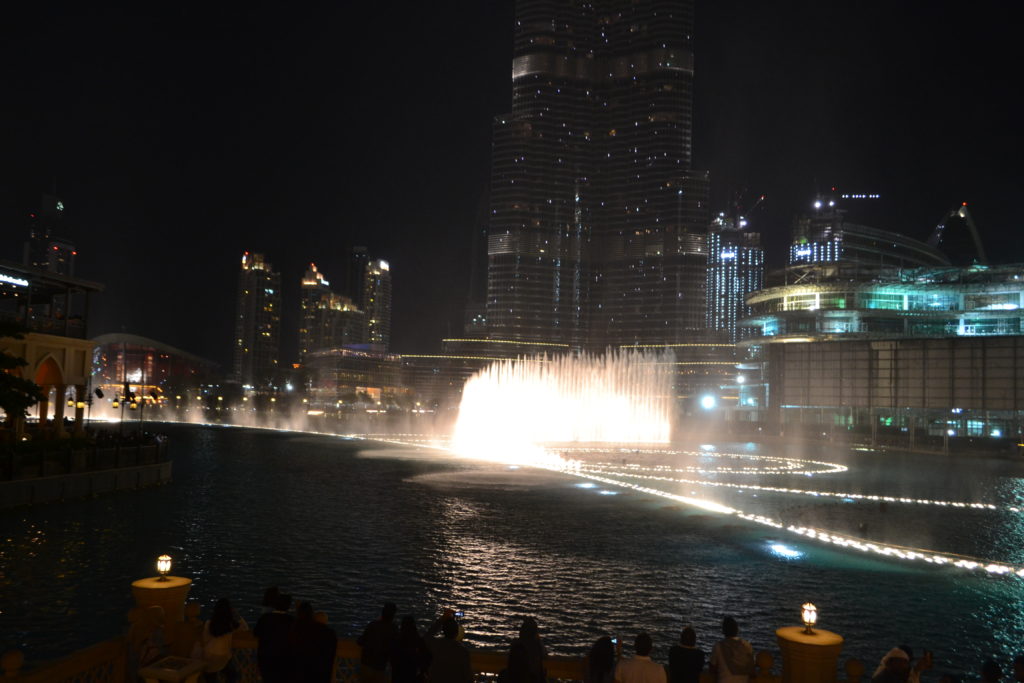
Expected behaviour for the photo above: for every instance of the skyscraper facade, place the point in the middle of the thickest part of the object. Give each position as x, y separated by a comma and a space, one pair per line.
257, 323
44, 249
328, 320
377, 302
735, 269
598, 223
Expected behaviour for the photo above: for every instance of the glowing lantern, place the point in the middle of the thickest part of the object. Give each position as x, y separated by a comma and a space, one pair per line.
163, 565
809, 614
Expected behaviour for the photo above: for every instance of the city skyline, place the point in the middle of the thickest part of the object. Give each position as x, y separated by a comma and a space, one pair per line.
171, 164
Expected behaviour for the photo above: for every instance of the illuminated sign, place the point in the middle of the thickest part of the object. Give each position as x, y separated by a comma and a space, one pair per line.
11, 280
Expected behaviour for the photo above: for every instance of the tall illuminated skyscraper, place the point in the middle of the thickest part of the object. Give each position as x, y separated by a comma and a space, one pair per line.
257, 323
328, 320
598, 223
735, 269
377, 302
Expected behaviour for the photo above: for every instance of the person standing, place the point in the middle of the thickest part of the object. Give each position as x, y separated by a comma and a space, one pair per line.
313, 646
376, 643
217, 639
732, 659
685, 660
601, 662
526, 655
273, 655
449, 658
410, 656
640, 668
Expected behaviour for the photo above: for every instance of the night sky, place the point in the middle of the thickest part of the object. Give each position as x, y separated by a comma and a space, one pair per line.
179, 135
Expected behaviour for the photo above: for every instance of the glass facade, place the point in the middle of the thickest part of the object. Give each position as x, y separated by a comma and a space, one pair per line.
918, 302
597, 226
735, 269
257, 323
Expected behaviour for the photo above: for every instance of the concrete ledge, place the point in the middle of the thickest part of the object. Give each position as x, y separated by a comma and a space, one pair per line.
82, 485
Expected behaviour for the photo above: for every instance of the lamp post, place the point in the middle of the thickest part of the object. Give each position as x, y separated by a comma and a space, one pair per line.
809, 655
167, 592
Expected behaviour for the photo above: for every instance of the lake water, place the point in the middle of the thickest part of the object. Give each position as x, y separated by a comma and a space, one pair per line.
348, 524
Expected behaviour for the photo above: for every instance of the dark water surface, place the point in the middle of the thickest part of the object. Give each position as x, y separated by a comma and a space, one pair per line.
349, 524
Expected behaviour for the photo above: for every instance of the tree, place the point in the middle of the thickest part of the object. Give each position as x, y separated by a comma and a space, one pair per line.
17, 394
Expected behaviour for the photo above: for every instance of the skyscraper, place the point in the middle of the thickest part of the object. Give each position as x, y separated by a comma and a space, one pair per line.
44, 249
257, 323
735, 269
598, 223
377, 302
328, 320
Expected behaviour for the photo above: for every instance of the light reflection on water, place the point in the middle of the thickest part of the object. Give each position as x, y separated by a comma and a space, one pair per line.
349, 530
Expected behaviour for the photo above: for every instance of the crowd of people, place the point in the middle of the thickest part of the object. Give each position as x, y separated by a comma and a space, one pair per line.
300, 647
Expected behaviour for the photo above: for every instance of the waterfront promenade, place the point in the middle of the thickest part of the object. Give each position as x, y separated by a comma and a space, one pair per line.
109, 662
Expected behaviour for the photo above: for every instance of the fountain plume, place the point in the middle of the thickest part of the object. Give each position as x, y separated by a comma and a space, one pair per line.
511, 408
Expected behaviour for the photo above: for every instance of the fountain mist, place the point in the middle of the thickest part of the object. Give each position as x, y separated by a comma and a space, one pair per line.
512, 408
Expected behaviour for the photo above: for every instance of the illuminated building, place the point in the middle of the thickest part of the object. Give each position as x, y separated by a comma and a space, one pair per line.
884, 336
328, 320
155, 372
257, 323
597, 226
735, 269
343, 381
823, 235
377, 303
356, 259
44, 249
53, 309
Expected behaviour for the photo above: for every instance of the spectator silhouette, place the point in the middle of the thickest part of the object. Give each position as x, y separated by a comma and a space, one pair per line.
732, 659
601, 662
449, 658
217, 637
410, 656
1018, 668
313, 646
641, 668
376, 644
526, 655
273, 654
685, 660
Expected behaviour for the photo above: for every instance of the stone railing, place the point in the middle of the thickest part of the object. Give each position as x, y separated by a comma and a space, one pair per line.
106, 662
47, 462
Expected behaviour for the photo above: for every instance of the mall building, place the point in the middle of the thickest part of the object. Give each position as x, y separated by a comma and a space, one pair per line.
887, 335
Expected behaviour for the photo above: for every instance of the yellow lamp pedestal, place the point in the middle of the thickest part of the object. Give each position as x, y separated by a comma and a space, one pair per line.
169, 594
809, 657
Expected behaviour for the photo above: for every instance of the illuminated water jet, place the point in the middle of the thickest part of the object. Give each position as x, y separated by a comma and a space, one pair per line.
511, 409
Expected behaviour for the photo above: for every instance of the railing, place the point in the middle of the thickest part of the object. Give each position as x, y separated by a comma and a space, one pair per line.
19, 464
102, 663
107, 662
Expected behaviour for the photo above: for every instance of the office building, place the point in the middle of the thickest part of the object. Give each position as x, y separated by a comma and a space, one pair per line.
735, 269
45, 249
598, 223
377, 303
328, 320
257, 324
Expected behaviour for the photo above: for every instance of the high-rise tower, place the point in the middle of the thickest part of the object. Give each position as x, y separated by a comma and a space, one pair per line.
735, 269
257, 323
598, 223
377, 302
329, 320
